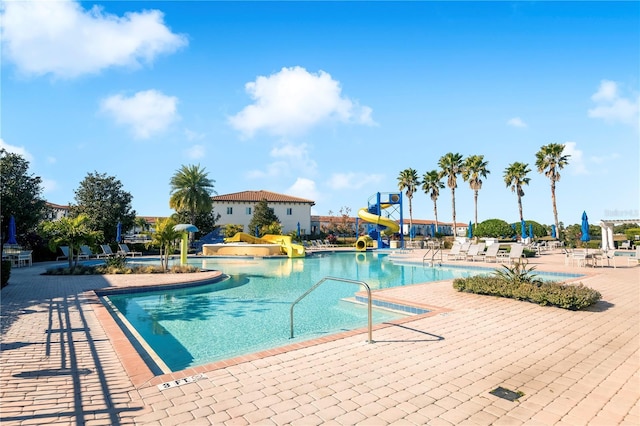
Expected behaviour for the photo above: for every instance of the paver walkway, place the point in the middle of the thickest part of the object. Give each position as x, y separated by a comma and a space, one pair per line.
62, 363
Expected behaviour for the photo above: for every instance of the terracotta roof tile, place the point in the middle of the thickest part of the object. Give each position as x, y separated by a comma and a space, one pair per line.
256, 196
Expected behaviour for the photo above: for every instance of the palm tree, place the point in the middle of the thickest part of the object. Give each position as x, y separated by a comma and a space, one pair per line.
431, 185
165, 237
515, 175
451, 166
191, 191
72, 232
408, 180
473, 169
549, 160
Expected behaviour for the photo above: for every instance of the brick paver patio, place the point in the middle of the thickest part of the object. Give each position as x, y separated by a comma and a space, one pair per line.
65, 362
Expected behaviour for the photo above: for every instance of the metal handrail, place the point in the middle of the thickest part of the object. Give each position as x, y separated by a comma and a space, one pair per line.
433, 251
344, 280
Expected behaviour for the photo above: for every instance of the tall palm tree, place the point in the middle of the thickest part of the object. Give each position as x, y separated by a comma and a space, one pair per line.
473, 170
191, 191
451, 166
515, 175
549, 160
408, 180
431, 185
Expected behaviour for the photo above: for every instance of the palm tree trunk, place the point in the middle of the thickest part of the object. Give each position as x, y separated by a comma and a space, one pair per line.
410, 219
435, 212
520, 207
555, 210
475, 202
453, 209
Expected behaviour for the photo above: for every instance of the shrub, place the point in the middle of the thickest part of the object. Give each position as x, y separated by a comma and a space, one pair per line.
5, 273
518, 283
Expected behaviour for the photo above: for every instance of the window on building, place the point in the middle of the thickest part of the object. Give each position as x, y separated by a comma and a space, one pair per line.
248, 210
229, 210
289, 211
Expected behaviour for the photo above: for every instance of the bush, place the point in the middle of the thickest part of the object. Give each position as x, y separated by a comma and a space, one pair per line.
518, 283
5, 273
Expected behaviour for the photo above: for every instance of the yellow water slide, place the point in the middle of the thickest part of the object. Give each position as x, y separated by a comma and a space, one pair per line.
286, 246
392, 225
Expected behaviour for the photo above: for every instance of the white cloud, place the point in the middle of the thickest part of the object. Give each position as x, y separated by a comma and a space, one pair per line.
304, 188
63, 39
516, 122
352, 180
294, 100
147, 113
196, 152
193, 136
614, 108
288, 157
20, 150
576, 161
49, 186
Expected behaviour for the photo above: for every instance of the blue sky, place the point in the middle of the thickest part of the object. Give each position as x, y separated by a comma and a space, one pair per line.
328, 101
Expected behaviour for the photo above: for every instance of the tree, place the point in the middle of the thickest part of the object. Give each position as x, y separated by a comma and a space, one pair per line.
431, 185
205, 221
20, 196
494, 228
549, 160
191, 191
72, 232
475, 168
102, 199
263, 218
451, 166
515, 176
408, 180
165, 238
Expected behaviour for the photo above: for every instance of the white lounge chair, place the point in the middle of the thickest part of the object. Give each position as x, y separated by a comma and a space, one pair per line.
480, 253
514, 255
473, 251
491, 255
454, 252
124, 249
86, 252
106, 251
65, 253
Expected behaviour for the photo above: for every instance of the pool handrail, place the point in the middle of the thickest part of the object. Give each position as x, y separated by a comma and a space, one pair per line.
345, 280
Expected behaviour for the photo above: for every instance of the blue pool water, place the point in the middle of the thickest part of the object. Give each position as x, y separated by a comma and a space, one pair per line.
250, 311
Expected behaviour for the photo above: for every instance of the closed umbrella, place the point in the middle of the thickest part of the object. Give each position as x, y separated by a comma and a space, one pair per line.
470, 230
119, 232
298, 230
584, 228
523, 230
412, 232
553, 231
433, 230
12, 231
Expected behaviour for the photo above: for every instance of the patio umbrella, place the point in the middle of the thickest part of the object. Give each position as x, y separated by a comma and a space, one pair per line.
470, 230
298, 230
553, 231
433, 230
412, 232
12, 231
584, 228
523, 229
119, 232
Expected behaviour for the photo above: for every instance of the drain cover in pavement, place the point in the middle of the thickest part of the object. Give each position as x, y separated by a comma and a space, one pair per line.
506, 393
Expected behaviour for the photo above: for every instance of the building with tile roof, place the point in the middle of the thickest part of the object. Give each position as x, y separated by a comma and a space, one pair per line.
237, 209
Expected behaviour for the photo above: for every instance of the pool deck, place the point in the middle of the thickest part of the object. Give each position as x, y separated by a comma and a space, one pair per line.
65, 362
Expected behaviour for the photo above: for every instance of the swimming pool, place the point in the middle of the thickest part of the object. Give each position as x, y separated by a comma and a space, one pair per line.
249, 311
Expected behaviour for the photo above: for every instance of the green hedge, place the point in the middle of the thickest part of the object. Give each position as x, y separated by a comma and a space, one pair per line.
567, 296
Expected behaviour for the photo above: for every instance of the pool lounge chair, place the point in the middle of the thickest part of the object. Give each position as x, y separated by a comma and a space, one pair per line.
480, 253
473, 251
86, 252
65, 253
106, 251
124, 249
514, 255
491, 255
454, 252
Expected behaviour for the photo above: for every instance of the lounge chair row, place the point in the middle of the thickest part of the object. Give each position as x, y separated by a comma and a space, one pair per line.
87, 253
476, 252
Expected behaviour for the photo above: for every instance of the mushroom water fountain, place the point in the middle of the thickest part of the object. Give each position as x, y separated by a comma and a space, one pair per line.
185, 228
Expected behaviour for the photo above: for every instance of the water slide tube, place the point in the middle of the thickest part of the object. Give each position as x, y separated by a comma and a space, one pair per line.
391, 225
286, 246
